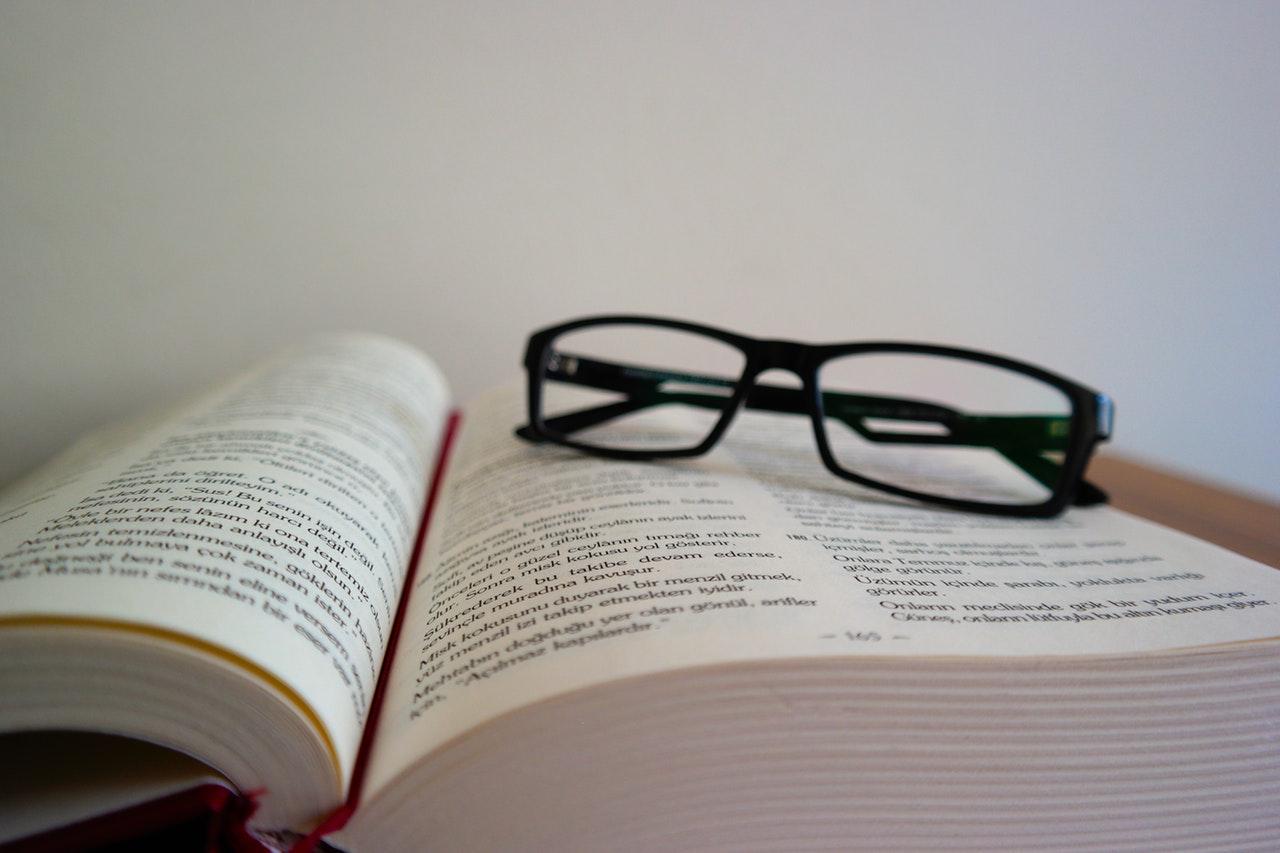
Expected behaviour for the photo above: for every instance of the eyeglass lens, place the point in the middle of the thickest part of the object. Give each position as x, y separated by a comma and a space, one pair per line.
945, 427
630, 387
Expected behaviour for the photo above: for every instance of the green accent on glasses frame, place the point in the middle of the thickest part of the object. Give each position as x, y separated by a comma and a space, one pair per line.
1052, 449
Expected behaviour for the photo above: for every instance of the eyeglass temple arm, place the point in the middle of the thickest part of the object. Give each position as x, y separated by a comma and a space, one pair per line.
1021, 439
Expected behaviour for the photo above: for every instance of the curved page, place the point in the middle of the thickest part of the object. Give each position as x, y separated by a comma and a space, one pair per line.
271, 519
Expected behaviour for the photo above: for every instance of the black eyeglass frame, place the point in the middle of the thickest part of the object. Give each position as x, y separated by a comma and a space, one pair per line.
1091, 418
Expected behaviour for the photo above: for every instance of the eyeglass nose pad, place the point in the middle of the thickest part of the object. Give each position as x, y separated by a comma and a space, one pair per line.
776, 378
781, 390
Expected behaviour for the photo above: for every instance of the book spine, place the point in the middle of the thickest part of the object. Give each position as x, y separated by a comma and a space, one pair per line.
339, 817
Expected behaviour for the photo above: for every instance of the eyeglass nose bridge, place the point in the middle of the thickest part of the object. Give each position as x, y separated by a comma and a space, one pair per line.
791, 356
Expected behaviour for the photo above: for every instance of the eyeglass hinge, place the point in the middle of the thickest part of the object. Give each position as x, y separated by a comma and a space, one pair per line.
1106, 415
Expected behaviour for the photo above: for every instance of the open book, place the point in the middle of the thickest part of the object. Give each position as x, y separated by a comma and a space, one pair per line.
737, 651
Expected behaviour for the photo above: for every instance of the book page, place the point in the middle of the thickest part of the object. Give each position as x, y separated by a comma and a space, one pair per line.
548, 570
272, 519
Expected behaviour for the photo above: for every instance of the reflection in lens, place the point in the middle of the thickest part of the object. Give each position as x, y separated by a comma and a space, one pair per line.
634, 387
946, 427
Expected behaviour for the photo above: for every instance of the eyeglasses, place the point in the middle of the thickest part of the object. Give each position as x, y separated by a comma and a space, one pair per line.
960, 428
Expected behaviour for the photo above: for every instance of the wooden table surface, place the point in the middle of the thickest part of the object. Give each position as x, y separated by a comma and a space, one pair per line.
1245, 524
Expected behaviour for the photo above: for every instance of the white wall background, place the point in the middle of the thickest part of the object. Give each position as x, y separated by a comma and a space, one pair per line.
1093, 186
